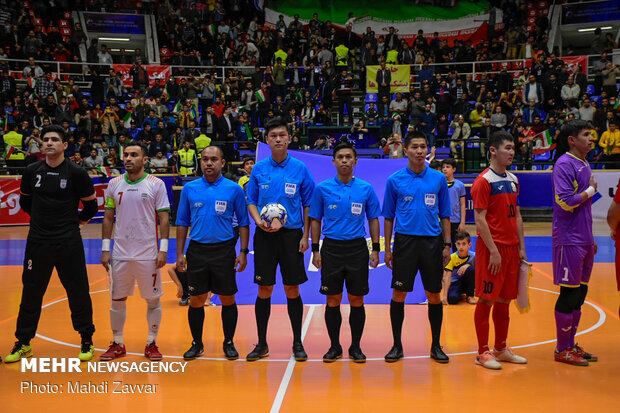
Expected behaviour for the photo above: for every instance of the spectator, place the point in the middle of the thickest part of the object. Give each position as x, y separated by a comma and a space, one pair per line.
609, 74
93, 161
461, 132
428, 124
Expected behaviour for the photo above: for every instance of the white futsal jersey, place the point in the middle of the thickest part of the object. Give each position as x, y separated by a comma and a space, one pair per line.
136, 205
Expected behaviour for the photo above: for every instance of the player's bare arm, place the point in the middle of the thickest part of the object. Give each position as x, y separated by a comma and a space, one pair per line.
181, 238
373, 225
495, 261
522, 253
242, 259
316, 237
164, 233
445, 230
106, 235
388, 226
303, 243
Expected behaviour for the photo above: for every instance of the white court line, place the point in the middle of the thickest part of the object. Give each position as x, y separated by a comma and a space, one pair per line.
277, 403
600, 322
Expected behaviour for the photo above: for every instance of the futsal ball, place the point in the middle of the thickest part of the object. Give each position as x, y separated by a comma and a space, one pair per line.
274, 215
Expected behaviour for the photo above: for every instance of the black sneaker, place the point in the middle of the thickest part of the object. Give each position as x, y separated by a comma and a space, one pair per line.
333, 354
299, 353
395, 354
230, 352
196, 350
356, 355
260, 350
438, 355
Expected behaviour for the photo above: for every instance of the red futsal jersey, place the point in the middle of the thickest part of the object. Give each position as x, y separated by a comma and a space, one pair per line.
499, 195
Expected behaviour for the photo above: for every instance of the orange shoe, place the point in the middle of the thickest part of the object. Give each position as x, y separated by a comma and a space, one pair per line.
569, 356
588, 356
152, 352
115, 351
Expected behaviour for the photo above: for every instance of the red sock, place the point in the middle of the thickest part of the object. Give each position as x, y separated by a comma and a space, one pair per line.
481, 321
501, 320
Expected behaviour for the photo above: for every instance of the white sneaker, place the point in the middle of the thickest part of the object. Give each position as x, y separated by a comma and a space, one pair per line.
487, 360
509, 356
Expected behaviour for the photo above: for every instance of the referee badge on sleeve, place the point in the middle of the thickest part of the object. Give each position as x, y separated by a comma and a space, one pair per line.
356, 209
430, 200
220, 207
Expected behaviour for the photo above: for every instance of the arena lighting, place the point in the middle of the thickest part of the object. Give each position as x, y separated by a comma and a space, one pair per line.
118, 50
115, 39
594, 28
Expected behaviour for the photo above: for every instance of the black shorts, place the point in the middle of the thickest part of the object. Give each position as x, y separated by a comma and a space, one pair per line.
344, 261
281, 247
417, 253
211, 267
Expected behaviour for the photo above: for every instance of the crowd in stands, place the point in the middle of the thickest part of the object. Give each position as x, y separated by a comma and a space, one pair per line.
296, 71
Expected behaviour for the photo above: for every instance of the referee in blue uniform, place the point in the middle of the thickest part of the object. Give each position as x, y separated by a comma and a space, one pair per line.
344, 203
417, 196
287, 181
208, 205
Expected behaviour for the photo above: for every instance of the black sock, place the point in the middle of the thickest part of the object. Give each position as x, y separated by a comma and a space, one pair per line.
435, 316
357, 319
86, 339
183, 280
262, 310
229, 321
296, 313
333, 320
196, 318
397, 315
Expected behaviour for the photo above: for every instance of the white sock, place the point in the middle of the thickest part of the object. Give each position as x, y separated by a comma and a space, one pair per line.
118, 314
153, 317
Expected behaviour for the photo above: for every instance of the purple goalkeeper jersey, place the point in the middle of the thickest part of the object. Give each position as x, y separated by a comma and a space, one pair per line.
572, 222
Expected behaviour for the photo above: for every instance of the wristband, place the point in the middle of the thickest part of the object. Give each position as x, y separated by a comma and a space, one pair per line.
590, 191
163, 245
447, 244
105, 244
244, 250
376, 246
315, 247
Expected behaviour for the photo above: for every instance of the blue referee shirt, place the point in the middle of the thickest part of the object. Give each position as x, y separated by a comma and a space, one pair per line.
416, 201
344, 207
208, 208
288, 183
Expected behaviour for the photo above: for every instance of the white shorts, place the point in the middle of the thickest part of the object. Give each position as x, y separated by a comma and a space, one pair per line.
125, 274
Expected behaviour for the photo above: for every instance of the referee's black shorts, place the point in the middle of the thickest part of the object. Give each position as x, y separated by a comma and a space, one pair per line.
281, 247
344, 260
211, 267
417, 253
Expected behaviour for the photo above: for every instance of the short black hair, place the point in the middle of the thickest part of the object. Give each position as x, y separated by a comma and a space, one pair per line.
275, 123
449, 161
143, 148
572, 128
247, 158
414, 135
220, 150
435, 164
462, 235
498, 137
53, 128
344, 145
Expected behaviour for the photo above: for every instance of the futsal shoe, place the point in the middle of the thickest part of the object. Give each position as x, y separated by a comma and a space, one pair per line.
333, 354
299, 353
356, 355
438, 355
87, 351
488, 361
19, 351
508, 356
196, 350
230, 352
152, 352
115, 351
569, 356
395, 354
184, 301
260, 350
588, 356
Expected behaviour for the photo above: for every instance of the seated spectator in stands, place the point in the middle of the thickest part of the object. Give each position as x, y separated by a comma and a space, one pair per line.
394, 147
308, 114
428, 124
32, 69
185, 117
191, 133
174, 162
146, 133
93, 161
322, 143
461, 131
498, 119
610, 144
442, 130
159, 163
570, 91
609, 74
158, 145
63, 111
533, 90
530, 112
322, 116
476, 118
113, 162
526, 142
